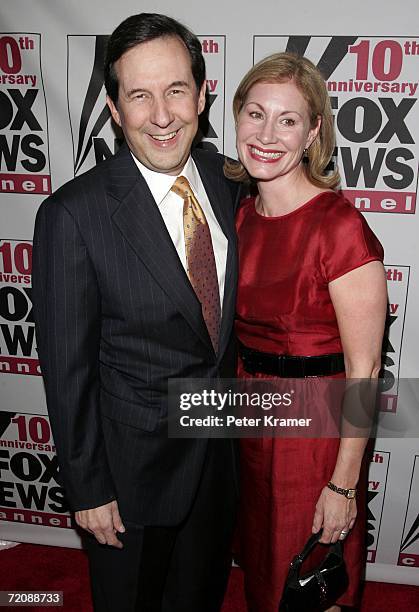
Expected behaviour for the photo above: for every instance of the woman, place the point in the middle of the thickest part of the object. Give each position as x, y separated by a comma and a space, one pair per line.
311, 284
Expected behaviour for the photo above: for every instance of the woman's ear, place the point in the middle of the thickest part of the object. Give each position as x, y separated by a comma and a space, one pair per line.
314, 132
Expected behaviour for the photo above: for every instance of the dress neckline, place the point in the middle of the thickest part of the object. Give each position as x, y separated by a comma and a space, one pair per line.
293, 212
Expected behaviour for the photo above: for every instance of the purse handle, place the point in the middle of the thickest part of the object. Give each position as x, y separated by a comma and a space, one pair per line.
311, 543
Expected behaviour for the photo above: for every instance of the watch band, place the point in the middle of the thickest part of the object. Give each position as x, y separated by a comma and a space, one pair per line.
348, 493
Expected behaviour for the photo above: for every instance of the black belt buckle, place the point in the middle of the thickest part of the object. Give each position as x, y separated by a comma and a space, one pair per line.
248, 362
291, 367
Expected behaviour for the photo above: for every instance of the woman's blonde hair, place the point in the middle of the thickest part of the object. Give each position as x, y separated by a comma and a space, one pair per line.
280, 68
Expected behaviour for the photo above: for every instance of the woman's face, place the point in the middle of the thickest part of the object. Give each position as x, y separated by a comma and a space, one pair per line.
273, 129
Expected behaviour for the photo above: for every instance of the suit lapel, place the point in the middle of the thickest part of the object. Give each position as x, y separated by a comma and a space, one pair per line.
139, 220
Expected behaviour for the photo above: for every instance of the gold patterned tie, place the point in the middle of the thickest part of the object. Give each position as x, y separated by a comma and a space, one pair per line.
200, 260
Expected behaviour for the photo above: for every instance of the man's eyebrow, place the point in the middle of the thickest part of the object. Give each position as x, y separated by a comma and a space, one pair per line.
136, 90
178, 84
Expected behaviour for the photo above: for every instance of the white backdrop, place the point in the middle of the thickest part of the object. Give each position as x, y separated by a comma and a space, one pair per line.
53, 126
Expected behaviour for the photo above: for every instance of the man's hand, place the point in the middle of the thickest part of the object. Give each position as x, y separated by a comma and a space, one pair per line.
103, 522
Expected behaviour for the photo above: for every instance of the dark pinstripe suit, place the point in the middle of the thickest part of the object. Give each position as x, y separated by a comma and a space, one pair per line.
116, 317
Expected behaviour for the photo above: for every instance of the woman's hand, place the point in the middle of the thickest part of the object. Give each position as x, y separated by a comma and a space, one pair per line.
336, 514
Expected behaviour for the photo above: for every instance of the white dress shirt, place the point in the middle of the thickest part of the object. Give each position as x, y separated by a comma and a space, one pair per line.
170, 206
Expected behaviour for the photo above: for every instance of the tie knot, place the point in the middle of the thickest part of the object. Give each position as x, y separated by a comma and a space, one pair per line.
182, 188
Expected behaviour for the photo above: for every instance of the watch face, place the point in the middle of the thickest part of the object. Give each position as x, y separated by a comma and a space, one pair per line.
351, 493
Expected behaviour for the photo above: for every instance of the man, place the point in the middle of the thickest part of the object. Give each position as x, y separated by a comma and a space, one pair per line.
120, 307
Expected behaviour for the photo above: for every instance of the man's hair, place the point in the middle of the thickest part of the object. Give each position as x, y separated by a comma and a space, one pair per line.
141, 28
282, 68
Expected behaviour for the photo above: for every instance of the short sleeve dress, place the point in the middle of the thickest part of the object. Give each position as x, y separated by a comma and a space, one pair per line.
284, 307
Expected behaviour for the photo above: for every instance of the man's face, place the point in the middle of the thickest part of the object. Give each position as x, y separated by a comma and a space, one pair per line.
158, 103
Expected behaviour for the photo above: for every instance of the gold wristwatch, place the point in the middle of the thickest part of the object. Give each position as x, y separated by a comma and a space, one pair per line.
348, 493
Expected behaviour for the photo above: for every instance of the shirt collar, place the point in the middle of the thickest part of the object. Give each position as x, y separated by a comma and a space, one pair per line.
160, 184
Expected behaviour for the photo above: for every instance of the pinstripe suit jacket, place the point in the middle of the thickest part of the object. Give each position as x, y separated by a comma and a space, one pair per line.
116, 317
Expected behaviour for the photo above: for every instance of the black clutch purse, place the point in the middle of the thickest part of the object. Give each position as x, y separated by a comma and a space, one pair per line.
321, 587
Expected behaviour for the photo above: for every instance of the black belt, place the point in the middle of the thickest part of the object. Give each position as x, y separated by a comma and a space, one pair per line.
290, 366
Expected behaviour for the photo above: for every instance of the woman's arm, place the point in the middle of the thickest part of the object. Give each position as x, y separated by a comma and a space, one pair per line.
360, 302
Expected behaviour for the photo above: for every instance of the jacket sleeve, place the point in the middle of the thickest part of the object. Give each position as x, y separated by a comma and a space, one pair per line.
68, 328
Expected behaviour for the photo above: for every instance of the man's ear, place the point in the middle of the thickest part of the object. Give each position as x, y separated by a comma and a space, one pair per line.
202, 98
114, 110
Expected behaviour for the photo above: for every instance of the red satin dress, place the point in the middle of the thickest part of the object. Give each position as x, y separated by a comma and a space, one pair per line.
284, 307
